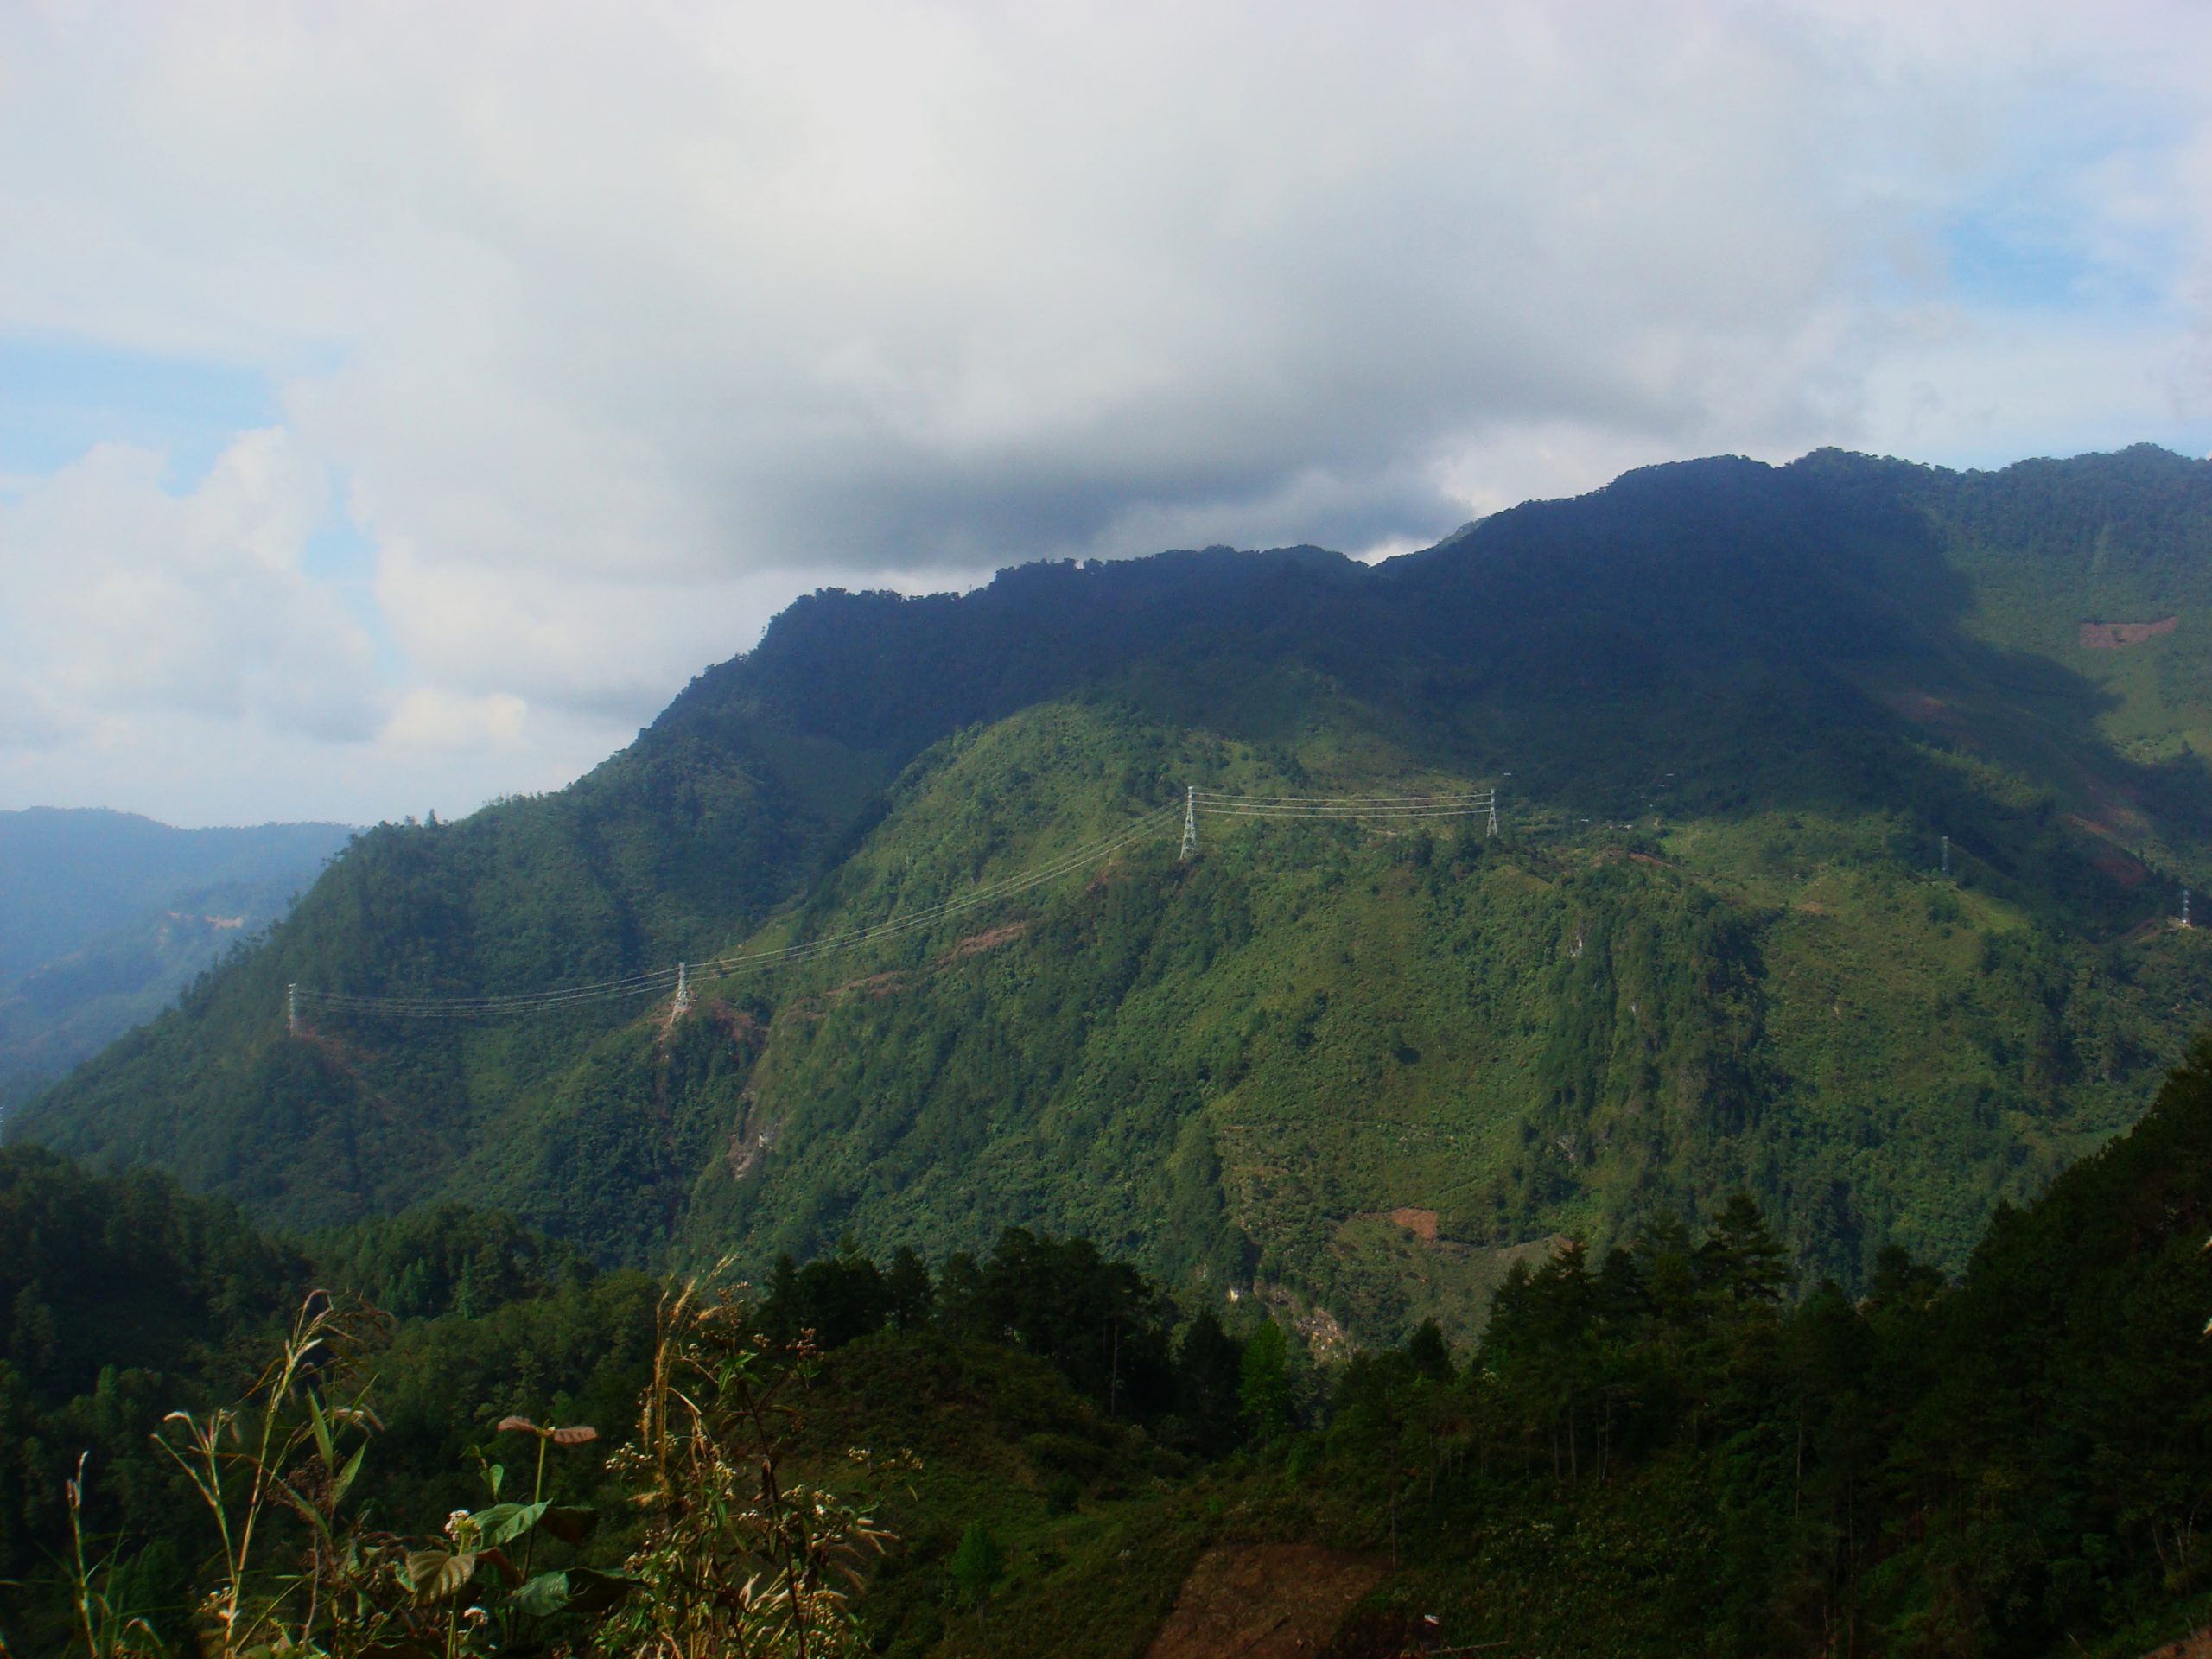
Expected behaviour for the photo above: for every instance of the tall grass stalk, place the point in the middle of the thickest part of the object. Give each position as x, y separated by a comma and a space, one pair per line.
273, 1454
107, 1632
735, 1560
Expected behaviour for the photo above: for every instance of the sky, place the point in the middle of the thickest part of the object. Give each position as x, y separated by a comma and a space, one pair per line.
399, 404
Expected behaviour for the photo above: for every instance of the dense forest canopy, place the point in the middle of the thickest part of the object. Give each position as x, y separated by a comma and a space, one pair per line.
1676, 1445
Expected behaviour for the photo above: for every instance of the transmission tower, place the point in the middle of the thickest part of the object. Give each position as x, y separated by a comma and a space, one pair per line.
292, 1010
1190, 820
2184, 907
683, 1005
1493, 810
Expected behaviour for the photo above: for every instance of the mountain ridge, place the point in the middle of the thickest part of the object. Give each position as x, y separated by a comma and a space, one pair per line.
1770, 691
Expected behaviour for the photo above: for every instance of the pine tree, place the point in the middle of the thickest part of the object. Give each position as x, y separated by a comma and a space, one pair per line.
1428, 1353
780, 1315
1263, 1398
977, 1566
907, 1285
1741, 1258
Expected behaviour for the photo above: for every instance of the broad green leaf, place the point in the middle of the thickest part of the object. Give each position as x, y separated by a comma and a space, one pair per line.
503, 1522
436, 1575
579, 1589
544, 1596
496, 1559
571, 1523
322, 1425
345, 1475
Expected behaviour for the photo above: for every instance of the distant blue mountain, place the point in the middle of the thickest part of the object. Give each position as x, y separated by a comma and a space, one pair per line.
105, 915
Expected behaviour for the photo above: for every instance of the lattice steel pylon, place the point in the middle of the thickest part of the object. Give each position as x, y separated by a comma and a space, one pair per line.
683, 1004
1190, 820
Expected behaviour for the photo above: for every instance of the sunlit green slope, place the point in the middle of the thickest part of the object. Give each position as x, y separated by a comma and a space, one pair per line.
1734, 710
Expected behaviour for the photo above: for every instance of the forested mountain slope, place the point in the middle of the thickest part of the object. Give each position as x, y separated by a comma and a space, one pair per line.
1733, 709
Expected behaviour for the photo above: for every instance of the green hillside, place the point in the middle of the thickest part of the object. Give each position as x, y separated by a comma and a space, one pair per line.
1358, 1068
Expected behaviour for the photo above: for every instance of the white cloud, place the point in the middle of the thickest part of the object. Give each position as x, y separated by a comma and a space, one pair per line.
116, 596
428, 720
624, 325
598, 645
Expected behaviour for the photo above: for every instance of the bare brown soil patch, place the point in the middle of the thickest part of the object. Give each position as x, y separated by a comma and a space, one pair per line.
1933, 711
2128, 872
1109, 873
2105, 829
989, 938
2198, 1646
894, 979
1263, 1601
1421, 1223
874, 984
736, 1024
2118, 636
755, 1136
336, 1047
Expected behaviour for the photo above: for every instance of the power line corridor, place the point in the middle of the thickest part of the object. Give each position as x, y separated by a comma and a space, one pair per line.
676, 981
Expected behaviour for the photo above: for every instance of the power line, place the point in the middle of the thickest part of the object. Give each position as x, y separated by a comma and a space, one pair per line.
684, 975
1461, 803
1362, 801
655, 980
1468, 809
1089, 854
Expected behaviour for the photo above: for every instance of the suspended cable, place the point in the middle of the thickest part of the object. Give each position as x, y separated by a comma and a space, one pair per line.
1342, 800
1460, 810
660, 979
1207, 803
1091, 853
521, 1002
1459, 803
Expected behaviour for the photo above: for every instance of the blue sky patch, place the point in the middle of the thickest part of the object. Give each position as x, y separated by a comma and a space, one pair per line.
60, 397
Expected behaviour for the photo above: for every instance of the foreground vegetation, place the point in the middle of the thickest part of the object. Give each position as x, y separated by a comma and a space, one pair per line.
1672, 1447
